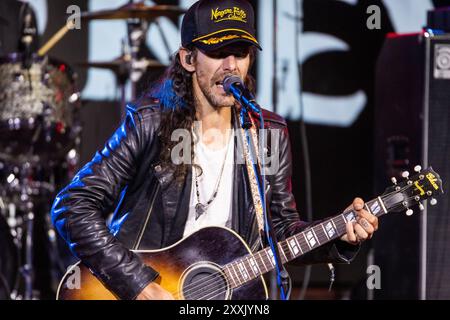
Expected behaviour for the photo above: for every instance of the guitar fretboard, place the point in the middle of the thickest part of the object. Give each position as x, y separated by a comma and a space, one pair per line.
253, 266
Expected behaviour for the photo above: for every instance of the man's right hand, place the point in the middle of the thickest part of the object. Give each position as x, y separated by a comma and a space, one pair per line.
154, 292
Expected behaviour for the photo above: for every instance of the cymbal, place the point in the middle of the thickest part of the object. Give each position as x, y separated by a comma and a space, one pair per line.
119, 64
135, 10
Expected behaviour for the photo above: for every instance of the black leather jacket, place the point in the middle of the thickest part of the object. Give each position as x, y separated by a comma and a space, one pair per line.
151, 208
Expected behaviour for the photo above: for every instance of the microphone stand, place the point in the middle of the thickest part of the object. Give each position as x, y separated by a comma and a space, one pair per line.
246, 121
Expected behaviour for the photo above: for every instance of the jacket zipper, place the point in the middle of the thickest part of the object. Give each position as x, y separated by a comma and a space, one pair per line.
147, 219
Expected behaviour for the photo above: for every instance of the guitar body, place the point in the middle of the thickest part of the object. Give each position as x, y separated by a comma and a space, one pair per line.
190, 269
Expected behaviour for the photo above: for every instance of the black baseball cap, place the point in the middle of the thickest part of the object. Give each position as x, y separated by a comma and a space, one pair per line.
212, 24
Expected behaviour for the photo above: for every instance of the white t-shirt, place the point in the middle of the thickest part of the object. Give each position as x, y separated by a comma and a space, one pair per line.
218, 213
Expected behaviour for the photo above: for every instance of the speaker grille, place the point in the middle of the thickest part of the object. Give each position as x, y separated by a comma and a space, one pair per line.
438, 217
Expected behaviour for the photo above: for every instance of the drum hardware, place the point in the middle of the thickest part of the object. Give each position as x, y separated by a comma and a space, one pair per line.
23, 191
28, 34
8, 259
39, 127
124, 69
137, 29
129, 11
38, 108
135, 11
70, 24
121, 65
23, 225
138, 16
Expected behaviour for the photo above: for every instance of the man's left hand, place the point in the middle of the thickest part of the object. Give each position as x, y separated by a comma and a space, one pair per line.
364, 226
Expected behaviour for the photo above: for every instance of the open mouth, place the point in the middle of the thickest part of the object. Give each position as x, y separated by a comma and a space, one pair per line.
219, 85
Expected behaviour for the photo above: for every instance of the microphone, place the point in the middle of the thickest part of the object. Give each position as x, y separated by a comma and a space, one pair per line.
235, 86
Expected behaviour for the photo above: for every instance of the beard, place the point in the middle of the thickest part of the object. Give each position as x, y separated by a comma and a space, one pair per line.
214, 93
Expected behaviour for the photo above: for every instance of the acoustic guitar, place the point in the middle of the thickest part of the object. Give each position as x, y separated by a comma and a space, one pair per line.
216, 264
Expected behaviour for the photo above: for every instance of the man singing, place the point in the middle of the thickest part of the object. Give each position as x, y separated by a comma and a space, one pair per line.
158, 199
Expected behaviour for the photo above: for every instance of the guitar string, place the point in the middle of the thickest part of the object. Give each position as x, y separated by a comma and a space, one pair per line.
220, 291
211, 295
193, 286
263, 258
214, 276
397, 191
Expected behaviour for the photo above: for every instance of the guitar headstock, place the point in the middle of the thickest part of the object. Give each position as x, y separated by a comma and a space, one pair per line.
412, 191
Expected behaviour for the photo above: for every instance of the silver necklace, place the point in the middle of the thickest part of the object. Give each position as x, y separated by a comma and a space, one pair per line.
200, 208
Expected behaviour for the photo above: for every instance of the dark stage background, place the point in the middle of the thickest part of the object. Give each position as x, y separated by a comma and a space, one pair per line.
341, 157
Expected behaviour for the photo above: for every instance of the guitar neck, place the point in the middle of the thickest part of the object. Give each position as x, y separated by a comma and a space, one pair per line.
253, 266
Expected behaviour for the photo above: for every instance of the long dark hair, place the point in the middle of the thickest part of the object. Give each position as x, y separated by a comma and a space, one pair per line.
175, 94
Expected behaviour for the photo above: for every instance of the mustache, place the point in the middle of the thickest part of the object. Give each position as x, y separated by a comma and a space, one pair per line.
219, 79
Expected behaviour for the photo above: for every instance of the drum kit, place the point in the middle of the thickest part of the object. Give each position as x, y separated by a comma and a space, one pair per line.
40, 134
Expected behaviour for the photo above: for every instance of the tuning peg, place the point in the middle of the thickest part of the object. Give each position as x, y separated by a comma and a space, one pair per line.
394, 180
405, 174
421, 207
409, 212
418, 169
433, 202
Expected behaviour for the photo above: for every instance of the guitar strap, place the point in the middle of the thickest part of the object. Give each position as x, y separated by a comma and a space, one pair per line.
257, 203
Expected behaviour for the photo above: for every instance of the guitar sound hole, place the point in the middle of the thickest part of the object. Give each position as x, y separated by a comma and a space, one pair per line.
205, 283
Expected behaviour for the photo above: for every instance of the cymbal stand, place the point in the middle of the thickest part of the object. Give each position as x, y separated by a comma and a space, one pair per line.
27, 269
122, 74
137, 30
25, 230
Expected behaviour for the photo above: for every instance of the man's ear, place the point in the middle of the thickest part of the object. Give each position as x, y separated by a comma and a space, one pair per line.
186, 59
